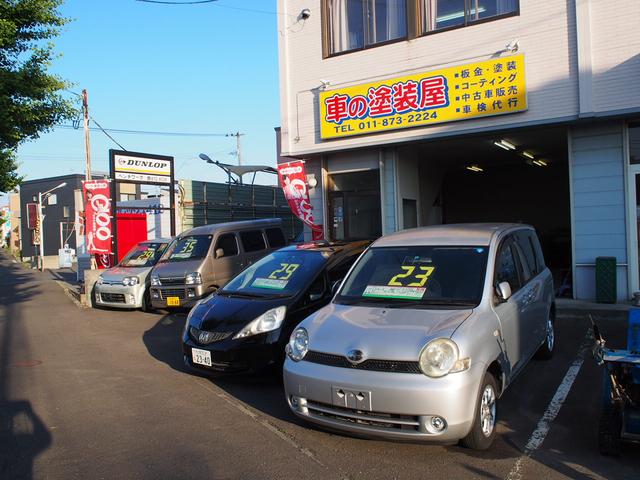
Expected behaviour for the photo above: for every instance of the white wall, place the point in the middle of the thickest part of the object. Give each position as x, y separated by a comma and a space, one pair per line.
598, 204
547, 33
546, 37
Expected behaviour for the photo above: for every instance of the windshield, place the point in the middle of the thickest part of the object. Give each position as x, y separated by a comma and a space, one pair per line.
417, 276
188, 248
282, 273
143, 255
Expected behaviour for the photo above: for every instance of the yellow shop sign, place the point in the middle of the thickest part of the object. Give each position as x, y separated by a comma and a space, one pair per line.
491, 87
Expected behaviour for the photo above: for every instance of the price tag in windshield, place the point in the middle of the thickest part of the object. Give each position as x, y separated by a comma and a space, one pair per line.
409, 283
278, 278
186, 250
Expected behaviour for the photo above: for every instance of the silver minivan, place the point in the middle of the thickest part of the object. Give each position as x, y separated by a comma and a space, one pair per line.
427, 330
205, 258
127, 284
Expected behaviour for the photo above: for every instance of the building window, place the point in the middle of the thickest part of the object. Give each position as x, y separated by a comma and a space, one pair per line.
441, 14
357, 24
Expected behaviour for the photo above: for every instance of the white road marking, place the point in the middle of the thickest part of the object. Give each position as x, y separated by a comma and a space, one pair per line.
544, 424
272, 428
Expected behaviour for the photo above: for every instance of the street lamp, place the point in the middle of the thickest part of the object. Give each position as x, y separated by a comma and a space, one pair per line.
41, 197
206, 158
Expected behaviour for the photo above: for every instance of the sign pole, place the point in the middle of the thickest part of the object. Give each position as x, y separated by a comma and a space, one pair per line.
114, 207
87, 143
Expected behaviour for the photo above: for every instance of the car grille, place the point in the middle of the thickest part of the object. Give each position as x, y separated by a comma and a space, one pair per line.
112, 297
172, 281
396, 366
172, 292
350, 416
210, 337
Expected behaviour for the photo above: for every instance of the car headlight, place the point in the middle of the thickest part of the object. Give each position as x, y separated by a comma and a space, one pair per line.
100, 280
441, 357
188, 320
298, 344
130, 281
268, 321
193, 278
155, 280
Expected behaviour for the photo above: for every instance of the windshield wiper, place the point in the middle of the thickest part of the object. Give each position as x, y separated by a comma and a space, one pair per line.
448, 301
251, 296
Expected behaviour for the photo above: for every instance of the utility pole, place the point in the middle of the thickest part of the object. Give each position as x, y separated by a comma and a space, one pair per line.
87, 144
238, 150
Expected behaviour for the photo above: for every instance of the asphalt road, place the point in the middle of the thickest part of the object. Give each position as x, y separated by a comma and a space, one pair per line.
103, 394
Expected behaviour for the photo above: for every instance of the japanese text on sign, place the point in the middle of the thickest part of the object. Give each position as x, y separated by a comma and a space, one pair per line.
492, 87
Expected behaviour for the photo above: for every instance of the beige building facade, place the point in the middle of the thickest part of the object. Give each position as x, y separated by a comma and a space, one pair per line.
557, 145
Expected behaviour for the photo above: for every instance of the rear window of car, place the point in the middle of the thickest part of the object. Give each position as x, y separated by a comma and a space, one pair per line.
252, 241
275, 237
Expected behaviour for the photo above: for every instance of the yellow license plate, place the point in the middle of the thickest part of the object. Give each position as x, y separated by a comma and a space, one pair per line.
173, 301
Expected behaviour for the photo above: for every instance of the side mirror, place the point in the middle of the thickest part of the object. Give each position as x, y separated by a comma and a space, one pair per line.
503, 291
335, 287
219, 253
314, 297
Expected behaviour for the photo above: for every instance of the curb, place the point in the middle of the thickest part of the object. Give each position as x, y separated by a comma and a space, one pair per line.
72, 293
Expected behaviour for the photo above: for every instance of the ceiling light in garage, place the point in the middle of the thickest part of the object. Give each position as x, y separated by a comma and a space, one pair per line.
474, 168
540, 163
528, 155
505, 145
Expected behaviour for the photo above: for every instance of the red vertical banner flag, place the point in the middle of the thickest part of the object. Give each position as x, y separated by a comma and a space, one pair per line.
97, 208
293, 180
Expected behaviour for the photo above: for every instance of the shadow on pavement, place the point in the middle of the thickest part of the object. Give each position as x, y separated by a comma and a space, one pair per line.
22, 434
22, 437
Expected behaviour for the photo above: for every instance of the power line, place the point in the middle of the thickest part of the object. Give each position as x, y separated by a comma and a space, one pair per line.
178, 3
216, 4
107, 134
146, 132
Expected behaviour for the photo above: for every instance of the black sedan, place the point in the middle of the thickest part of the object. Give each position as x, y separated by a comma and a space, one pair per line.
245, 326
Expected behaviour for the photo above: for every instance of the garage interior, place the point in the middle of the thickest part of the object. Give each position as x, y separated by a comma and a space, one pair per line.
517, 176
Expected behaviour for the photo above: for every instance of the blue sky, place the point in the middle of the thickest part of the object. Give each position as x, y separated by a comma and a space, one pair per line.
210, 68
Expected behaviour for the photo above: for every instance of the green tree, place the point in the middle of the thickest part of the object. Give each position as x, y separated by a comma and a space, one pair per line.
30, 99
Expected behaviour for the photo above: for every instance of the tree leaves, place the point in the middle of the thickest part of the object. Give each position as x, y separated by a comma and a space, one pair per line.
30, 100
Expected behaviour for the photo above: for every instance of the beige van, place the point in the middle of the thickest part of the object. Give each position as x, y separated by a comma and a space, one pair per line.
203, 259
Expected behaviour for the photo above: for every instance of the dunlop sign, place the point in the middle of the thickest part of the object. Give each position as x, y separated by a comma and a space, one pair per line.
481, 89
142, 169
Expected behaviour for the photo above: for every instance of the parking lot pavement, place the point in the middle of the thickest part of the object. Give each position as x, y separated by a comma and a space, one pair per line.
103, 394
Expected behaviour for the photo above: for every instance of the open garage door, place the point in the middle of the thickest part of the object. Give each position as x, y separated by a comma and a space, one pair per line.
517, 177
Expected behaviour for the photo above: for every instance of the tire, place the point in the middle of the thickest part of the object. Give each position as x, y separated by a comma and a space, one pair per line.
545, 352
609, 431
93, 298
146, 302
483, 430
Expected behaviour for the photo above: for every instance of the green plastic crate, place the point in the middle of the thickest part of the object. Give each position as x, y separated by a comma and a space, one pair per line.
606, 280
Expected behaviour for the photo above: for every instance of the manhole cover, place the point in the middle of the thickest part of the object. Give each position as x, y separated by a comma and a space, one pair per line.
27, 363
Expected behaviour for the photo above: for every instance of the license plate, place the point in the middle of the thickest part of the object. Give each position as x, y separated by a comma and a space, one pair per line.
201, 357
173, 301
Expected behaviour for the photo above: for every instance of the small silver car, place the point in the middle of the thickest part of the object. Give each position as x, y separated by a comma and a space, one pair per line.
127, 284
427, 330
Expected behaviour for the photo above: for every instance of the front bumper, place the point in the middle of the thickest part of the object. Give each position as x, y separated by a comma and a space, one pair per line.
119, 296
188, 295
396, 406
229, 356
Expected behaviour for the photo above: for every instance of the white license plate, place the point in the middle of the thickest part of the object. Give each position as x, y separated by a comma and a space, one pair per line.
201, 357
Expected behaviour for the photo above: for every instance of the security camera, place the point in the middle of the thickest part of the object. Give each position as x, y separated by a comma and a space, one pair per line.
305, 13
513, 46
